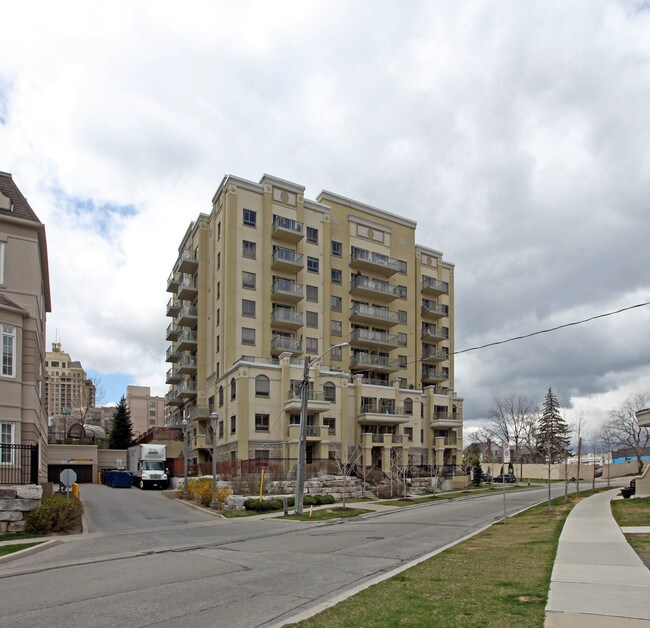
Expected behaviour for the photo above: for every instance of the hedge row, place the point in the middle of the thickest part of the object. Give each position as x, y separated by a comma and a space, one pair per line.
269, 505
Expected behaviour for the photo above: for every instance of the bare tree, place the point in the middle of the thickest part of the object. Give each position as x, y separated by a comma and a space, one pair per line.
346, 462
89, 396
512, 418
624, 430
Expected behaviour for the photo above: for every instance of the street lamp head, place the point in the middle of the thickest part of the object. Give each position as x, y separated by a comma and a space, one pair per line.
214, 417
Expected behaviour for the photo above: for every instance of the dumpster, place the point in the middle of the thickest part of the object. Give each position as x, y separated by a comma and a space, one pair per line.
120, 479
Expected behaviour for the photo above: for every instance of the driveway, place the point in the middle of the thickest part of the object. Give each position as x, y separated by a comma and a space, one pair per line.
119, 509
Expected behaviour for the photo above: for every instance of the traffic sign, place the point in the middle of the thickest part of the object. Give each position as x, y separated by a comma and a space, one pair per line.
506, 452
68, 477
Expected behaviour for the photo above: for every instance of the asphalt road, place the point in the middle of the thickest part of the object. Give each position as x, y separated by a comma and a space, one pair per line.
206, 571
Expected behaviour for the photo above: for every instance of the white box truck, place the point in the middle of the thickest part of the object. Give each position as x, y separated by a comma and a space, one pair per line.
148, 465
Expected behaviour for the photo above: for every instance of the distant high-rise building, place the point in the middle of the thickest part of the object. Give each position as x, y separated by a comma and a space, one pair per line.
24, 303
69, 392
270, 277
146, 410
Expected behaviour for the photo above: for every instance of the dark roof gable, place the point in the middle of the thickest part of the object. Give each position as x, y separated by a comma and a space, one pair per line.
19, 207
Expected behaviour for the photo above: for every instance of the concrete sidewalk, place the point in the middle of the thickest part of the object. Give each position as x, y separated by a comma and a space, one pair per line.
598, 579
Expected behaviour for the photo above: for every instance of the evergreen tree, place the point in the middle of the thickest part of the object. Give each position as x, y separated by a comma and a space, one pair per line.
477, 473
122, 429
553, 433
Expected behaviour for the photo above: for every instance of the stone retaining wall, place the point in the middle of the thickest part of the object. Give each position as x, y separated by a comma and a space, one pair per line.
15, 501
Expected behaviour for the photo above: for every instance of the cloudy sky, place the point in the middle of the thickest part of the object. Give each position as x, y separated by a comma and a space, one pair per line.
515, 133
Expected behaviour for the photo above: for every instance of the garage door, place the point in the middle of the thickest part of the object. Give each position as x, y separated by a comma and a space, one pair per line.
84, 472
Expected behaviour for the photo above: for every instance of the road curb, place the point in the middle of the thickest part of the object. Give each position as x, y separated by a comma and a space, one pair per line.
42, 546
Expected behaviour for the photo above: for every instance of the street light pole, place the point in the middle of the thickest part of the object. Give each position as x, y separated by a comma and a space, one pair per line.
214, 418
184, 426
302, 444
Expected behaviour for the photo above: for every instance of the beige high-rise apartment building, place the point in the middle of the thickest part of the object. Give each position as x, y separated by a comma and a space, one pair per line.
69, 392
146, 410
24, 303
270, 277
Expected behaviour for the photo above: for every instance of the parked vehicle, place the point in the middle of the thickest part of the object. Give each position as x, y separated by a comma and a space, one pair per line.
147, 464
506, 478
598, 472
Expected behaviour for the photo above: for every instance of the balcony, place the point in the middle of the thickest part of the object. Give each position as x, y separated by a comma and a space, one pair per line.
377, 363
373, 339
173, 354
173, 307
433, 334
281, 344
446, 442
374, 262
373, 288
187, 365
433, 286
316, 401
382, 414
187, 316
172, 399
172, 376
381, 440
199, 413
431, 309
313, 433
186, 389
173, 332
187, 341
287, 229
201, 441
431, 355
433, 376
188, 288
361, 313
188, 262
287, 260
173, 281
285, 291
284, 318
444, 420
643, 417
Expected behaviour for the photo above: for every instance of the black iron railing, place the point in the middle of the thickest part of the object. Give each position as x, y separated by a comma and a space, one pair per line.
18, 464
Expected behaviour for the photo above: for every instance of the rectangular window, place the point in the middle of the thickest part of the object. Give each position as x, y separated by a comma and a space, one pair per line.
337, 248
312, 235
218, 347
248, 249
8, 351
312, 319
233, 424
408, 432
261, 454
218, 290
250, 218
311, 345
336, 328
247, 336
248, 308
401, 291
337, 354
220, 429
401, 339
312, 264
403, 361
248, 280
312, 293
337, 276
402, 316
218, 316
330, 423
336, 304
6, 438
262, 422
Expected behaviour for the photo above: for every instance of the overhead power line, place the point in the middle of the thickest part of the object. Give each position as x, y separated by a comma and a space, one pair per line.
550, 329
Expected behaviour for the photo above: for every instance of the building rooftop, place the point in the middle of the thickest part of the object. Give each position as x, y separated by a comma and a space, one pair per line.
12, 200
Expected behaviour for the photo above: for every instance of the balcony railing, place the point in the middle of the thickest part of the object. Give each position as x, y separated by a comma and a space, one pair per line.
372, 337
287, 229
187, 315
188, 387
312, 395
172, 376
434, 375
187, 288
431, 308
433, 332
287, 259
375, 286
378, 408
173, 307
283, 316
286, 290
186, 340
376, 362
173, 281
433, 354
361, 258
361, 311
283, 343
187, 364
187, 261
434, 286
173, 331
172, 354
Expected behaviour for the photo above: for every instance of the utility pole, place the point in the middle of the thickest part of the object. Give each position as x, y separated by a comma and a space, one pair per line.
302, 446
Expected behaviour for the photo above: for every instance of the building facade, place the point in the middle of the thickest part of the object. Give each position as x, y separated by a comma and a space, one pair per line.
147, 411
269, 278
69, 392
24, 303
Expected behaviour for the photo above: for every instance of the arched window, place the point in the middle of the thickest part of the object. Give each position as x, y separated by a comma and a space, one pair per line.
408, 405
233, 388
220, 396
262, 387
329, 391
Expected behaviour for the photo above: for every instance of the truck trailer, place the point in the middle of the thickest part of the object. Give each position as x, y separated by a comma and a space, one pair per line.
148, 465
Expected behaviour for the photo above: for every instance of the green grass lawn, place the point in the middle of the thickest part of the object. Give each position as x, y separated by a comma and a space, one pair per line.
17, 536
10, 549
497, 578
632, 512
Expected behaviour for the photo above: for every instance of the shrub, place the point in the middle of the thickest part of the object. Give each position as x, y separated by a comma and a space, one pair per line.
221, 495
325, 499
266, 505
200, 491
56, 515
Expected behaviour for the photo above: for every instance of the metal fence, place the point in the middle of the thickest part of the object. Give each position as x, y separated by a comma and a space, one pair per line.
18, 464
